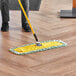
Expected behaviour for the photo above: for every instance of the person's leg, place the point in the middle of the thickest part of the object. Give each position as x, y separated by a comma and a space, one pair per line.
25, 25
5, 15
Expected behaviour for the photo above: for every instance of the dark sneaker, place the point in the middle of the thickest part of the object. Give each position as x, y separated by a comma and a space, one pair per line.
26, 27
5, 27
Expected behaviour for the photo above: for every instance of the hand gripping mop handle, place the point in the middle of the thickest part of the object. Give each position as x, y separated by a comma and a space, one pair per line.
27, 20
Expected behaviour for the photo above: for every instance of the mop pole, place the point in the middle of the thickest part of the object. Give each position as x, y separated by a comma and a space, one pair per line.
35, 36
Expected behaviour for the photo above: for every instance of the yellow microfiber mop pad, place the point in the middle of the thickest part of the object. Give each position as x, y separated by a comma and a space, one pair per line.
31, 48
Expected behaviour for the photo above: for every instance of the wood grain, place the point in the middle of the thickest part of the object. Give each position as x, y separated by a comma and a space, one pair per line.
48, 26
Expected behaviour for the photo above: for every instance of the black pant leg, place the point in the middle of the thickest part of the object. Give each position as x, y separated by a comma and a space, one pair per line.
5, 10
25, 4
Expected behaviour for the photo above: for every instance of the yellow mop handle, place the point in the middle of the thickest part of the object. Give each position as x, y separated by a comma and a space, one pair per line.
27, 20
26, 16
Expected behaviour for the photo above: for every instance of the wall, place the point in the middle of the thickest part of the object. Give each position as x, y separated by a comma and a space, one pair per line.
34, 4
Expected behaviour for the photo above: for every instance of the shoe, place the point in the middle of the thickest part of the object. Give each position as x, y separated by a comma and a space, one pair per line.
26, 27
5, 27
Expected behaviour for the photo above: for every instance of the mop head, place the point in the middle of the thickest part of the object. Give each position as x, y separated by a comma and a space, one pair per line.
31, 48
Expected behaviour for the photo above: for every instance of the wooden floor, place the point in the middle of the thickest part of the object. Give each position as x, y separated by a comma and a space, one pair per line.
48, 26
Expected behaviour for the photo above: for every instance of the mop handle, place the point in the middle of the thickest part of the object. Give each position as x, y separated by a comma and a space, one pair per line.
27, 20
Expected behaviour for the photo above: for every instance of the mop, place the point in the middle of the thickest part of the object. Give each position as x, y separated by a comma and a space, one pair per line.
38, 46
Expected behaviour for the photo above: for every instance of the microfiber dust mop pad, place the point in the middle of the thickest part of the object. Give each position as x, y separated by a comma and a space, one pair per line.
31, 48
